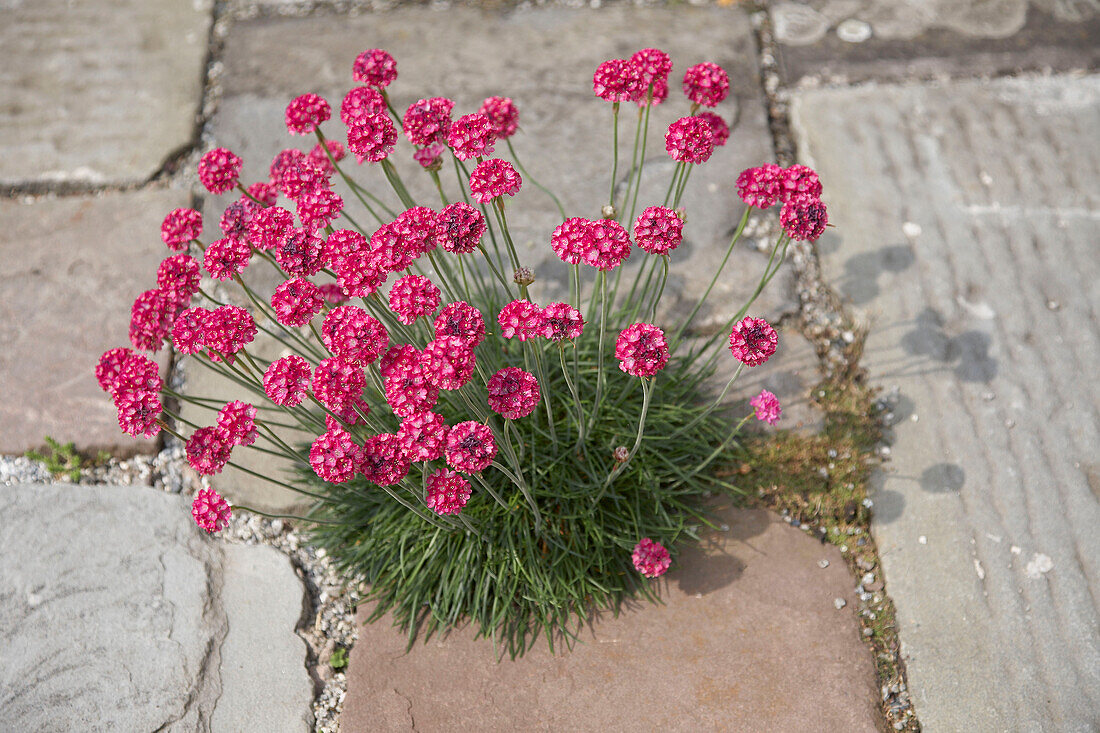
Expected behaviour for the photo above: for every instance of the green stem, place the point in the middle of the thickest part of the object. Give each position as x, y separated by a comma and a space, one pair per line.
646, 392
641, 161
600, 376
529, 177
398, 185
614, 152
661, 290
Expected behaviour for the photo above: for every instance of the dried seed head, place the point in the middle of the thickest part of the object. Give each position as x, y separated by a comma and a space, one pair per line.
620, 454
523, 276
608, 212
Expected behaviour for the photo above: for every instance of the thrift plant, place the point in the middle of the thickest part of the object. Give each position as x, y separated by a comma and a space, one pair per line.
477, 455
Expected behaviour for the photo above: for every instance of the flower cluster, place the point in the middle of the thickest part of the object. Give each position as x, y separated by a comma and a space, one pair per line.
803, 215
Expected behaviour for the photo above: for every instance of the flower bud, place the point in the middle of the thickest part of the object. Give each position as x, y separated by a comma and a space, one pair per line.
620, 454
608, 212
523, 276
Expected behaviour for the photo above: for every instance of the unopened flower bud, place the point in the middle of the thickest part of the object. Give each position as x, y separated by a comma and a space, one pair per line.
523, 276
620, 454
608, 212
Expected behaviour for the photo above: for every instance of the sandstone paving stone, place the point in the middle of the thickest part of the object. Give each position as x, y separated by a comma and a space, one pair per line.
100, 92
966, 218
747, 639
856, 40
70, 269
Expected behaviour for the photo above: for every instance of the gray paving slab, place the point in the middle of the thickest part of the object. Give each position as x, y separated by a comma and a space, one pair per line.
856, 40
100, 92
70, 269
966, 218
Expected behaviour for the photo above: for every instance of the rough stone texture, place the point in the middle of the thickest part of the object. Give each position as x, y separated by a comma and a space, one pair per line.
70, 269
966, 220
264, 681
857, 40
748, 639
98, 92
543, 59
109, 611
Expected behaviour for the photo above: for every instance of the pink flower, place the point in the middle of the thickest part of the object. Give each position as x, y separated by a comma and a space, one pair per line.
180, 227
354, 335
187, 331
305, 113
359, 274
759, 187
447, 492
319, 159
766, 407
423, 436
804, 219
642, 350
449, 362
413, 296
571, 239
503, 115
690, 140
332, 293
293, 171
317, 207
371, 138
338, 383
110, 366
470, 447
520, 319
227, 329
462, 320
335, 456
226, 258
660, 93
296, 302
798, 181
138, 413
561, 321
384, 462
140, 374
219, 170
492, 179
375, 68
360, 102
651, 559
409, 390
718, 126
416, 231
151, 319
753, 341
607, 246
209, 449
286, 380
513, 393
619, 80
238, 419
235, 218
283, 161
658, 230
210, 511
430, 156
654, 63
460, 228
706, 84
399, 360
350, 414
428, 121
471, 136
265, 193
342, 243
178, 276
300, 253
268, 226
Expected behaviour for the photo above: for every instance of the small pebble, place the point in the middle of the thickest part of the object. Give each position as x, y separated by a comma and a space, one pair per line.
867, 578
840, 603
868, 632
922, 540
823, 564
857, 31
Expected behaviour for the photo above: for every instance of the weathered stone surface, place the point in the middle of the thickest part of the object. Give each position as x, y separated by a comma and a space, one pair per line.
748, 639
98, 92
265, 685
70, 269
109, 611
895, 39
966, 219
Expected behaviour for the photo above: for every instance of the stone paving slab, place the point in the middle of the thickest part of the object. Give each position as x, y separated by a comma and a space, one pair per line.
966, 218
70, 269
857, 40
100, 92
118, 613
748, 639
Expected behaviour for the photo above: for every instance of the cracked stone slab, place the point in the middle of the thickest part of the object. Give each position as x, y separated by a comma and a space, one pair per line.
100, 92
859, 40
70, 269
748, 638
966, 218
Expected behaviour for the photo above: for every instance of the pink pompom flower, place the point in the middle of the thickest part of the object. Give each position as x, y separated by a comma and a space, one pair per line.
799, 182
226, 258
460, 228
296, 302
305, 113
208, 450
409, 390
178, 276
766, 407
471, 136
361, 102
219, 170
335, 457
718, 126
318, 207
180, 226
342, 243
238, 419
448, 492
642, 350
269, 226
471, 447
759, 186
151, 319
227, 329
520, 319
371, 138
752, 341
607, 245
706, 84
210, 511
375, 68
619, 80
332, 294
300, 253
513, 393
110, 366
187, 331
561, 322
651, 559
449, 362
138, 413
492, 179
503, 115
690, 140
234, 220
287, 380
320, 160
384, 462
571, 239
139, 374
338, 383
804, 219
462, 320
360, 274
658, 230
430, 156
654, 63
413, 296
265, 193
354, 335
428, 121
423, 436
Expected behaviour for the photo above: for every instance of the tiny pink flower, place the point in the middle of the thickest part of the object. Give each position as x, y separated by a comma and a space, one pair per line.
798, 181
471, 136
718, 126
227, 329
226, 258
318, 207
319, 159
430, 156
561, 322
460, 228
658, 230
503, 115
520, 319
409, 390
399, 360
513, 393
287, 380
413, 296
423, 436
804, 219
471, 447
752, 341
384, 462
238, 419
300, 253
341, 243
690, 140
151, 319
654, 63
375, 68
360, 102
353, 413
759, 186
178, 276
266, 193
187, 331
338, 383
332, 294
110, 366
619, 80
571, 239
706, 84
428, 121
651, 559
305, 113
371, 138
462, 320
359, 274
283, 162
417, 234
268, 226
354, 335
607, 246
219, 170
180, 227
449, 362
766, 407
296, 302
447, 492
642, 350
234, 220
139, 374
138, 413
208, 450
492, 179
210, 511
335, 457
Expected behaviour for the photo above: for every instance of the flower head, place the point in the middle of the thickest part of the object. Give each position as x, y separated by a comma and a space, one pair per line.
428, 121
619, 80
503, 115
305, 113
718, 126
210, 511
753, 341
459, 228
448, 492
449, 362
332, 294
354, 335
300, 253
651, 559
268, 226
654, 63
520, 319
335, 457
341, 243
423, 436
235, 218
287, 380
642, 350
462, 320
561, 322
413, 296
384, 462
238, 419
226, 257
766, 407
180, 227
492, 179
658, 230
430, 156
690, 140
296, 302
759, 186
219, 170
607, 244
151, 318
138, 373
319, 159
359, 274
375, 68
208, 449
798, 181
804, 219
338, 383
227, 329
571, 239
138, 412
178, 276
371, 137
471, 136
408, 388
317, 207
110, 366
417, 234
187, 331
706, 84
360, 102
513, 393
470, 447
266, 193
